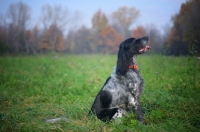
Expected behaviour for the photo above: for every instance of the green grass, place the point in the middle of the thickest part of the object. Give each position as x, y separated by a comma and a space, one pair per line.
36, 88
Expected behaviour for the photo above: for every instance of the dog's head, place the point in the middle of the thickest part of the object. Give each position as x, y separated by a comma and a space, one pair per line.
129, 49
134, 46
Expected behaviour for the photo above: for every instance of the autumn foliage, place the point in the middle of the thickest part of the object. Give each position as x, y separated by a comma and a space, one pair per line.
99, 21
58, 31
109, 40
138, 32
185, 32
52, 40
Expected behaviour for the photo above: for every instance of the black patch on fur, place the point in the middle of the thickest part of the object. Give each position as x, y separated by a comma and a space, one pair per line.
92, 111
105, 98
107, 114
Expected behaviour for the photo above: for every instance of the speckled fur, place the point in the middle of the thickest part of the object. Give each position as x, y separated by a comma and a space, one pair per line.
122, 90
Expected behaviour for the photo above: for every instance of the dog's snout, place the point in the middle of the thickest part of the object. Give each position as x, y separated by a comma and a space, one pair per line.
146, 37
145, 40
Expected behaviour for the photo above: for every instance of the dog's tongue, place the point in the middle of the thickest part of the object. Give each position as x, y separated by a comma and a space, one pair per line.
145, 49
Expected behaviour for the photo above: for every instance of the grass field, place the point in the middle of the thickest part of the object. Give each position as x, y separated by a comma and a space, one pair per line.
36, 88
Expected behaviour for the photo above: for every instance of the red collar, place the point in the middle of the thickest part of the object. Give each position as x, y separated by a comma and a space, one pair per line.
134, 67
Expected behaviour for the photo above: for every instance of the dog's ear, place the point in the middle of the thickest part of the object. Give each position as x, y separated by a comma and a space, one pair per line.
122, 62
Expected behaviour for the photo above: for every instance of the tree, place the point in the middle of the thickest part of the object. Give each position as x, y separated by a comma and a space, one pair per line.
138, 32
57, 19
4, 47
156, 39
107, 37
52, 40
109, 40
124, 17
185, 31
70, 44
18, 16
84, 40
32, 39
99, 21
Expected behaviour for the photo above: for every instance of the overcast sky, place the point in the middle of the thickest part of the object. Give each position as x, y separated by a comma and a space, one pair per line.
156, 12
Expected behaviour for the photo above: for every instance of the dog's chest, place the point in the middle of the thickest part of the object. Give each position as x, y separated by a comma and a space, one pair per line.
134, 83
133, 88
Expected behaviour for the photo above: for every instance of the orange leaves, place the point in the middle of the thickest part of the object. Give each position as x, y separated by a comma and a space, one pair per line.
52, 40
60, 43
138, 32
110, 39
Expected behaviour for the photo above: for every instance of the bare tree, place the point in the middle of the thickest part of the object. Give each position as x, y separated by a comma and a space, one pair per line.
32, 39
3, 35
125, 17
18, 16
99, 21
55, 15
59, 18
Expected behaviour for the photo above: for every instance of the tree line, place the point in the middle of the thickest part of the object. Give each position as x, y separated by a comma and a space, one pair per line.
184, 35
58, 30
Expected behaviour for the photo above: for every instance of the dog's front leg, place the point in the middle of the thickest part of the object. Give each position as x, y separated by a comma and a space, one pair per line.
138, 110
135, 103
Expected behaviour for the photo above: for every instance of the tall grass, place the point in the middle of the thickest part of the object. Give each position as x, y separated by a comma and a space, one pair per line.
36, 88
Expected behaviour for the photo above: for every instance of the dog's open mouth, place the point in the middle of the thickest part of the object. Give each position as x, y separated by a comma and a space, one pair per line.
145, 49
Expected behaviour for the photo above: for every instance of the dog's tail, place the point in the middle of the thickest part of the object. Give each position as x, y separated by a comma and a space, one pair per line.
54, 120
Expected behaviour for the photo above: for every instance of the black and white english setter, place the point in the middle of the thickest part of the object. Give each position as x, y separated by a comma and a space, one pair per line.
121, 91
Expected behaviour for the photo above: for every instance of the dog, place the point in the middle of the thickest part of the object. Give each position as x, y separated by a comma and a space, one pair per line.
122, 90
